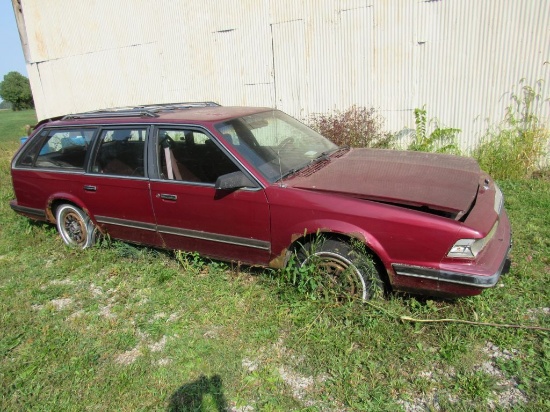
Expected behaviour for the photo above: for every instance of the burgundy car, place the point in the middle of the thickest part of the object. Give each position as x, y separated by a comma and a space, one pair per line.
256, 186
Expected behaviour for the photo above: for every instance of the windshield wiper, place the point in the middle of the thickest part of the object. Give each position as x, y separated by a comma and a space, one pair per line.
325, 155
328, 154
292, 171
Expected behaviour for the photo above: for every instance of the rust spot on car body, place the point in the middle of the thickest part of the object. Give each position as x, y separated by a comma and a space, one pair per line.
358, 236
281, 260
49, 212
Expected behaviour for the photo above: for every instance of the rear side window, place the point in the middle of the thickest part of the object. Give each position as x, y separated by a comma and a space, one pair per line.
121, 152
60, 148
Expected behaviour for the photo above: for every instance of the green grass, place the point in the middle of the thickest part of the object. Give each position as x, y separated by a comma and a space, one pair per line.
118, 327
12, 124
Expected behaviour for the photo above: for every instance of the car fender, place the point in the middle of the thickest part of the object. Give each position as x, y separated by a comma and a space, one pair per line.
65, 197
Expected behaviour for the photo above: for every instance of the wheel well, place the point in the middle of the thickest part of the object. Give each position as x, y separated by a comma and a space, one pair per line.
311, 237
52, 209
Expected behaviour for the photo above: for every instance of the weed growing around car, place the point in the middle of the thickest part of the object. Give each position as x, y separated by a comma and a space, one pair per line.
440, 140
354, 127
514, 148
120, 327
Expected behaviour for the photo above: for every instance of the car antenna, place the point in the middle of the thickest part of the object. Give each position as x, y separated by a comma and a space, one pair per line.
281, 184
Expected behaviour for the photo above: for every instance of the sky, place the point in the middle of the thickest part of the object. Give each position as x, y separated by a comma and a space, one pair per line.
11, 53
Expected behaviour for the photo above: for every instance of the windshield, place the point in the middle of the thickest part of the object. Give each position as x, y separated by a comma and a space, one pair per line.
275, 143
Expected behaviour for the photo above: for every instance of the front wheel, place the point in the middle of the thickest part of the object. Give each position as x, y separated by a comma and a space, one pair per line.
75, 226
341, 269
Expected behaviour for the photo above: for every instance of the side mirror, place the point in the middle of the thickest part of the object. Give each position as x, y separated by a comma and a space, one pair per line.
235, 180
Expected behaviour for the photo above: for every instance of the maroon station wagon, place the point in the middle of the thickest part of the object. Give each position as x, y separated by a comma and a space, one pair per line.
254, 185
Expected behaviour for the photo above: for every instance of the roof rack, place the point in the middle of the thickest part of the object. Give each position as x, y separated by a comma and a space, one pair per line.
138, 111
177, 106
111, 113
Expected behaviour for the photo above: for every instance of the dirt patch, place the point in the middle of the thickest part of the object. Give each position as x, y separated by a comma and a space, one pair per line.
105, 311
131, 355
60, 304
506, 397
299, 384
128, 357
62, 282
96, 291
535, 313
158, 346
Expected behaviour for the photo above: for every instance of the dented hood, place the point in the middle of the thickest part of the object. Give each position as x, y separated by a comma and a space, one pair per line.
442, 182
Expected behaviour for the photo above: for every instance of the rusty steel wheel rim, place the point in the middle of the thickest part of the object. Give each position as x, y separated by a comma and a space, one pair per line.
74, 229
340, 272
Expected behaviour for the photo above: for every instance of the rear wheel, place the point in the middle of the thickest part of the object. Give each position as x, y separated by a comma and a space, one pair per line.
341, 269
75, 226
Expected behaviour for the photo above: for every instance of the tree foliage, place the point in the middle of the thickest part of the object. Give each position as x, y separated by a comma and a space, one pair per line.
16, 89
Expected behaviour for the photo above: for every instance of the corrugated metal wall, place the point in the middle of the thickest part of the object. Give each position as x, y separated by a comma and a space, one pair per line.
460, 58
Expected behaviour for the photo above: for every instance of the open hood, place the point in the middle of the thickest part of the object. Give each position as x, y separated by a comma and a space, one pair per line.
436, 181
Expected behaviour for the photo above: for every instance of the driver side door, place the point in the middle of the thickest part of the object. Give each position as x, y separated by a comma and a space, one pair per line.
192, 215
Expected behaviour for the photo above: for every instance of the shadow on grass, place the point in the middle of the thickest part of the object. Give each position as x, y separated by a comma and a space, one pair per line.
202, 394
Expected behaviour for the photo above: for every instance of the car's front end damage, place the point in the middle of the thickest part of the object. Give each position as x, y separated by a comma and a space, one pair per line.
437, 222
477, 258
460, 276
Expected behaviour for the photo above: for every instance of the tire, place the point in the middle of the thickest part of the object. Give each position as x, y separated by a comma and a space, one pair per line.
342, 270
75, 226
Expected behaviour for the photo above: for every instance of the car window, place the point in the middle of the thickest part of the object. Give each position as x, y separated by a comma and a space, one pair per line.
121, 152
28, 156
191, 156
275, 143
65, 149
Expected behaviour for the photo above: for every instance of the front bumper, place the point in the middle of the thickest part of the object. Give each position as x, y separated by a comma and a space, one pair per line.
461, 276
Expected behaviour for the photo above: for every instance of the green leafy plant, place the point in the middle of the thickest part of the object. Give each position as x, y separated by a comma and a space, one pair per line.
440, 140
515, 148
301, 277
354, 127
190, 261
317, 280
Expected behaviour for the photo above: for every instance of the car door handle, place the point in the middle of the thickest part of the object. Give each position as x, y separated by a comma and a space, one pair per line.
166, 196
90, 188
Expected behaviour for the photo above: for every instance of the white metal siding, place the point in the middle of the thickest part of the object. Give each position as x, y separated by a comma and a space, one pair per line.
460, 58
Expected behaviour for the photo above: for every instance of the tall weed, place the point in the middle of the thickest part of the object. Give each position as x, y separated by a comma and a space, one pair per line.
515, 148
440, 140
354, 127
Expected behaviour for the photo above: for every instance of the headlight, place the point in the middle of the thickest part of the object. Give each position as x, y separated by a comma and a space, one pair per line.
469, 248
463, 249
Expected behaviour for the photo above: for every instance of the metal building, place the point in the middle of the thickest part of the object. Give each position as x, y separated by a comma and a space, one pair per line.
460, 58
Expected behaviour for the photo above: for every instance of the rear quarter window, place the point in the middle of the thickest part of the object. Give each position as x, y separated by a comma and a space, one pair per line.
58, 149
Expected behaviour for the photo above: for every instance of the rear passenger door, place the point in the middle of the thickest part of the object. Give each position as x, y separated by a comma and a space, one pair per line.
191, 214
116, 189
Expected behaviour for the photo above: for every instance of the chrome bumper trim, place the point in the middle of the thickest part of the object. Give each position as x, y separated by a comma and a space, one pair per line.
452, 277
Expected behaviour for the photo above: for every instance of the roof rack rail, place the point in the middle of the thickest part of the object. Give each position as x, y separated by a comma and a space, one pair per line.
150, 110
176, 106
111, 113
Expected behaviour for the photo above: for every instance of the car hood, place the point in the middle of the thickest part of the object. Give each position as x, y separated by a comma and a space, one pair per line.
436, 181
